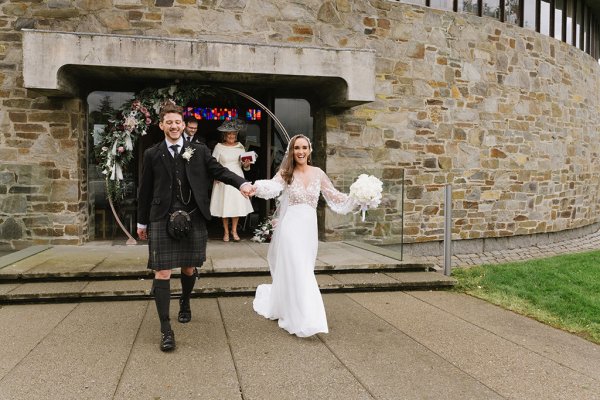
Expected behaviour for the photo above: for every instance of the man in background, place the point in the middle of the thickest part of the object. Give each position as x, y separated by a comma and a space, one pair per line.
191, 131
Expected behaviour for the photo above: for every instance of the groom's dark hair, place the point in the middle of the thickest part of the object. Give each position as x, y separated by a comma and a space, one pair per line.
168, 108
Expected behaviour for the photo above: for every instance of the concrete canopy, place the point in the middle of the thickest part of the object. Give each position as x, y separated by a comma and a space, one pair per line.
54, 63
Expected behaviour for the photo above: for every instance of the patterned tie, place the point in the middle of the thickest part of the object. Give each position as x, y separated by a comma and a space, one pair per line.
174, 147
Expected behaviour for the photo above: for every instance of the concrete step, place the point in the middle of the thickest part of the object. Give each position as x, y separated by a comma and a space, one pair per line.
104, 271
104, 261
75, 291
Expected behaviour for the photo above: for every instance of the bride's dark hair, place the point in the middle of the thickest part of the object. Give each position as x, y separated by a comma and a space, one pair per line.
288, 164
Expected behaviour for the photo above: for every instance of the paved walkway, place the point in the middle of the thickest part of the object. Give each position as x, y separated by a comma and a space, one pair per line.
381, 345
400, 345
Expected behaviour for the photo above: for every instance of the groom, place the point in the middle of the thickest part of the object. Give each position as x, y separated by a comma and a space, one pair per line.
175, 177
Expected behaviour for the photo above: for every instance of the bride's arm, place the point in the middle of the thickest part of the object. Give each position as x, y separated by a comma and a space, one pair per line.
339, 202
269, 188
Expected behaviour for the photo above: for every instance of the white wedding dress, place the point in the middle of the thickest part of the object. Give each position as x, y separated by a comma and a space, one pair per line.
294, 298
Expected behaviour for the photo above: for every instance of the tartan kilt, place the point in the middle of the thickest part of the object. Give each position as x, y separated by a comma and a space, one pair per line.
165, 252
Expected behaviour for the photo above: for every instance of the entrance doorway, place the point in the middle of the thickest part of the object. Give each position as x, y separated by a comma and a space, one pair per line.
260, 135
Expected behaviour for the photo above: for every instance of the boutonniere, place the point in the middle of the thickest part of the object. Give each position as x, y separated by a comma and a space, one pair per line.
188, 152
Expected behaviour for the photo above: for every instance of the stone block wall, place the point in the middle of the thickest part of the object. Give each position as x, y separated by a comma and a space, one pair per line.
508, 116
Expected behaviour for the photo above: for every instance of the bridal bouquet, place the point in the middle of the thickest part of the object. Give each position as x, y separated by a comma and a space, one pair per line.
366, 191
264, 232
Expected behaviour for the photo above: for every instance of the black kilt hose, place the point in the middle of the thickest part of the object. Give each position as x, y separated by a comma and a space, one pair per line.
168, 253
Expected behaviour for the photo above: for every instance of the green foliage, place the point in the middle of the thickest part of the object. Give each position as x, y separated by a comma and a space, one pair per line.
562, 291
264, 231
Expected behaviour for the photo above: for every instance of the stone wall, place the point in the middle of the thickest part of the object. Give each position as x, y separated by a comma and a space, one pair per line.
509, 117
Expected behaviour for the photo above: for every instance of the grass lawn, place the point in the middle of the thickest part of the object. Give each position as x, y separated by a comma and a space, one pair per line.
562, 291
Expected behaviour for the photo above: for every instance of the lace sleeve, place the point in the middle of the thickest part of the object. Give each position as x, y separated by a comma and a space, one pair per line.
339, 202
269, 188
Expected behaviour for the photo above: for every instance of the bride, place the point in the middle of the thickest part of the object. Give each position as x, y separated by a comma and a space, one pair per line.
294, 298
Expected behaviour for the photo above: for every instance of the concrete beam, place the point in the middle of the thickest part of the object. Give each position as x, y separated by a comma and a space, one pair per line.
50, 59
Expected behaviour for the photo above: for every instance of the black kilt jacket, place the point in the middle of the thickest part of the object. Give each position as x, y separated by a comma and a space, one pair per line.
156, 186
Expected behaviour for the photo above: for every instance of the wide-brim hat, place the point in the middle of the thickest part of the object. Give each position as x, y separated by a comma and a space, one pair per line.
234, 125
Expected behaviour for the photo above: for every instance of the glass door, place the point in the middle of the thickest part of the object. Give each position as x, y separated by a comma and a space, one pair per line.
260, 135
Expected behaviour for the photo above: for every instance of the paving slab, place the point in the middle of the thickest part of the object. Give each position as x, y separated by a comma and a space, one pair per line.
391, 364
564, 348
324, 281
232, 284
7, 287
272, 364
261, 249
417, 277
123, 260
201, 367
69, 260
336, 255
370, 278
81, 358
140, 287
16, 256
508, 368
41, 288
23, 328
235, 257
26, 264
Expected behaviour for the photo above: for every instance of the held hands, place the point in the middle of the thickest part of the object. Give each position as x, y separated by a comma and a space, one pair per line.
248, 190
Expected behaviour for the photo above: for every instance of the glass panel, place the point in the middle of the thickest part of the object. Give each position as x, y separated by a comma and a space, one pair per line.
442, 4
586, 29
559, 6
592, 51
417, 2
529, 15
569, 25
545, 17
593, 37
491, 8
295, 116
579, 26
468, 6
511, 12
591, 33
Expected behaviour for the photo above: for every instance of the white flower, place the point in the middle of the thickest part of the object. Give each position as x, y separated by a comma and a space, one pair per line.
366, 191
187, 154
130, 122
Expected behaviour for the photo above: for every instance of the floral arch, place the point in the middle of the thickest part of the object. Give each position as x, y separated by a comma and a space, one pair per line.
115, 148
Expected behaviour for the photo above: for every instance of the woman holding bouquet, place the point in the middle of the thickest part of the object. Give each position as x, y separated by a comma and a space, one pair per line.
226, 202
294, 297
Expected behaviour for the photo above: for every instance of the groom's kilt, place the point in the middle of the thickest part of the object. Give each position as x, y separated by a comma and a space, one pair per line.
168, 253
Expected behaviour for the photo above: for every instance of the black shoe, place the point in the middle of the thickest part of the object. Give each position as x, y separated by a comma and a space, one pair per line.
185, 312
167, 341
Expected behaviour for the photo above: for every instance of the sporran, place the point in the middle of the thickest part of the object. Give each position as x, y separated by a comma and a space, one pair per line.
179, 225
